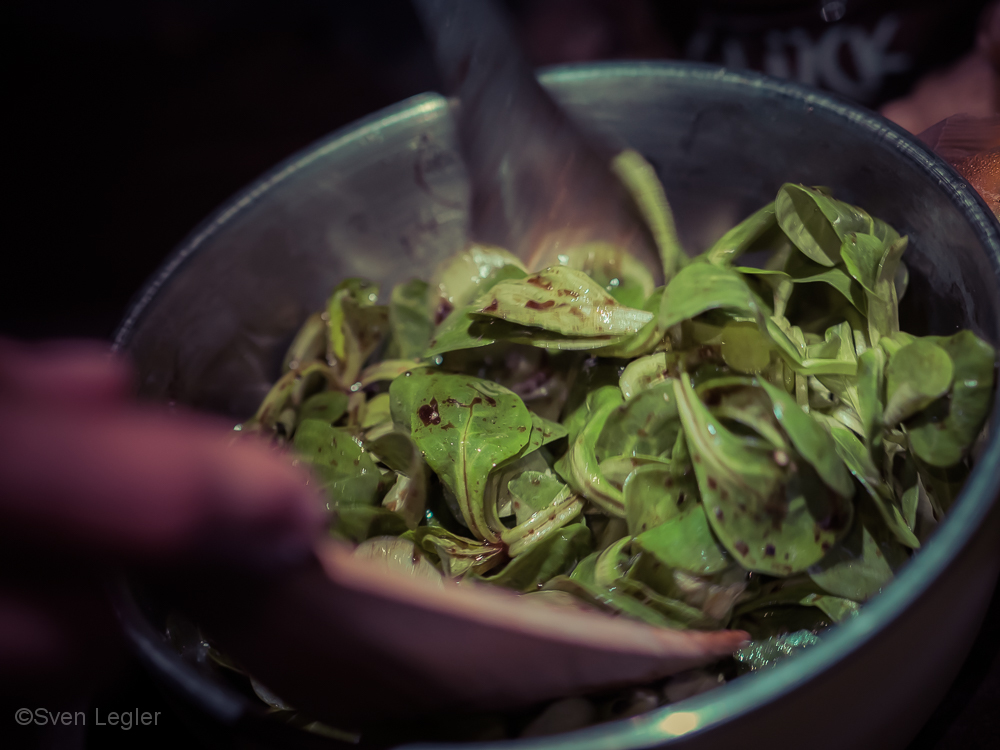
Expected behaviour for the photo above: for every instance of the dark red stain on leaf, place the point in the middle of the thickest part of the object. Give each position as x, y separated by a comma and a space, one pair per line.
428, 413
492, 306
742, 548
719, 514
712, 484
769, 550
532, 305
539, 282
490, 401
444, 309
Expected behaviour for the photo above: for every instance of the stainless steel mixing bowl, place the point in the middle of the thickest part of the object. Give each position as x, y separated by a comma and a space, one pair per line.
386, 198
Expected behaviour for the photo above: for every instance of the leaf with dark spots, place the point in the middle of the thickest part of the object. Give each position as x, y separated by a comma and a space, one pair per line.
460, 330
646, 424
542, 523
588, 312
345, 471
676, 534
811, 441
483, 436
863, 562
764, 502
458, 555
468, 275
618, 272
552, 556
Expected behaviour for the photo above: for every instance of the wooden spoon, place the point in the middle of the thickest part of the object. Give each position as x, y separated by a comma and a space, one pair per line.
350, 641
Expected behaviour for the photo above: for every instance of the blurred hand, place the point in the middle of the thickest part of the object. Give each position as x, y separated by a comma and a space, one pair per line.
90, 481
971, 86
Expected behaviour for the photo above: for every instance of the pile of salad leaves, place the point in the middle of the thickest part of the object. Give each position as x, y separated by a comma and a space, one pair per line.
753, 444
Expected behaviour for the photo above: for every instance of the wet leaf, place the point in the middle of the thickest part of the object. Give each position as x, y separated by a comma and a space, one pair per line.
816, 223
862, 254
611, 601
773, 519
345, 471
618, 272
870, 389
836, 608
463, 277
458, 554
398, 555
533, 491
765, 654
460, 329
801, 270
581, 467
554, 555
542, 524
376, 418
645, 372
612, 563
465, 426
387, 369
682, 537
289, 392
883, 306
744, 347
646, 424
563, 301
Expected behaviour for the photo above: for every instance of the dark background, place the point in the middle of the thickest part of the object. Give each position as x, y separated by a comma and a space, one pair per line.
129, 122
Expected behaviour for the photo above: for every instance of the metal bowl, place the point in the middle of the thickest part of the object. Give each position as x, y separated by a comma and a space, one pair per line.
387, 197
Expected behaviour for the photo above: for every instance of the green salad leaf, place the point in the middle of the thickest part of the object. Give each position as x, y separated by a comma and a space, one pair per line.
752, 446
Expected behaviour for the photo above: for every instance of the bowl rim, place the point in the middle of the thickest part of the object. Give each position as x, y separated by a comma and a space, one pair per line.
699, 714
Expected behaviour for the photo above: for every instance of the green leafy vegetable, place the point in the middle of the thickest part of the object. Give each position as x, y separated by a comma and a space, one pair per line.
749, 447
